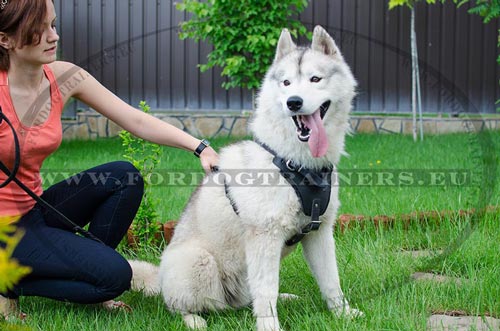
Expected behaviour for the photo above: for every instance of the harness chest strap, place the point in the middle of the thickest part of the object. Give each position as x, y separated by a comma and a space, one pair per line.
313, 226
311, 186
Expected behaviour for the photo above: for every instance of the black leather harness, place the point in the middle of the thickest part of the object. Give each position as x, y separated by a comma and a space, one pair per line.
312, 187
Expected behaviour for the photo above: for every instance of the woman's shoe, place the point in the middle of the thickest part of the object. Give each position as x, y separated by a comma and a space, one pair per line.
116, 305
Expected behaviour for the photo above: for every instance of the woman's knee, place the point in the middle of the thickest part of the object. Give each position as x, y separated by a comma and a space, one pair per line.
122, 175
126, 173
133, 181
117, 279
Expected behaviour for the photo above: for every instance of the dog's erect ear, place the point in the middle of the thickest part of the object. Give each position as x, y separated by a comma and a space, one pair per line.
322, 42
285, 45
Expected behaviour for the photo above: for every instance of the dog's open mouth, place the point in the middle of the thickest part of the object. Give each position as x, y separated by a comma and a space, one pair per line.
303, 130
310, 129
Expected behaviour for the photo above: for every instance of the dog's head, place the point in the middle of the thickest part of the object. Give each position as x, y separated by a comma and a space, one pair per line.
308, 85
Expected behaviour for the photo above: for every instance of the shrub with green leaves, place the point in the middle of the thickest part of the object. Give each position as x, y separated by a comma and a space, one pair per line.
10, 269
244, 34
145, 156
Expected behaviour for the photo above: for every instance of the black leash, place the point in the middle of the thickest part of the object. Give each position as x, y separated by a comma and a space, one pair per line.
17, 159
11, 177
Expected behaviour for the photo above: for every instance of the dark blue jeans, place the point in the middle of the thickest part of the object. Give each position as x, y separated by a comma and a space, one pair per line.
66, 266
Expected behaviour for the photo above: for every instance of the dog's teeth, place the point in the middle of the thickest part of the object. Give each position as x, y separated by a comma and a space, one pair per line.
303, 132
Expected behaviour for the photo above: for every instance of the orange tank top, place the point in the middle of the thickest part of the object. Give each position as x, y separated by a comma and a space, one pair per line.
36, 143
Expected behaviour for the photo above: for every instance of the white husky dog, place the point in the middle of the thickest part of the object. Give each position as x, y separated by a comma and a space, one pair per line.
227, 247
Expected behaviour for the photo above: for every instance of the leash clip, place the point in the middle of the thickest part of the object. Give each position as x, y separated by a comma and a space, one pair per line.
291, 166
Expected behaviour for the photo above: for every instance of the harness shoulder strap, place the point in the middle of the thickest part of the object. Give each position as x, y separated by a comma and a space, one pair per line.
231, 200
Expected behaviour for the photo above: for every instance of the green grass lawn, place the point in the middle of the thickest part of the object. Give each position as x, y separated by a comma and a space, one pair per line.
375, 275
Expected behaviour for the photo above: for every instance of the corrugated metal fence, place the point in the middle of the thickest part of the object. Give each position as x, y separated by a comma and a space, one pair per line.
132, 47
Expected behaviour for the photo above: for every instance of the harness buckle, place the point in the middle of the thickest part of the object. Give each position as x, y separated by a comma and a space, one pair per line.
291, 166
313, 226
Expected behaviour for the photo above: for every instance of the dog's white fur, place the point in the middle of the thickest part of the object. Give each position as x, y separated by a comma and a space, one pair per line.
145, 277
218, 259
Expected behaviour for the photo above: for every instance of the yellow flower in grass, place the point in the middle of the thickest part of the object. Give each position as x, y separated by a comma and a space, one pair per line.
10, 270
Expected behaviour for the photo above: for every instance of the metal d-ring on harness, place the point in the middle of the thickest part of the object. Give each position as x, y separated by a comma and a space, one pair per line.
313, 188
11, 176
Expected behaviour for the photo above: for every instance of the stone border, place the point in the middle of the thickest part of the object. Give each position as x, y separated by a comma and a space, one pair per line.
91, 125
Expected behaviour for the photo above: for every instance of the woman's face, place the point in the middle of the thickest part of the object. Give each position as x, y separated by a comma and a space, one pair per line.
45, 51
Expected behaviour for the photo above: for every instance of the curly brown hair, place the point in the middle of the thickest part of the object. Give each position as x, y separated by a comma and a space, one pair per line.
23, 20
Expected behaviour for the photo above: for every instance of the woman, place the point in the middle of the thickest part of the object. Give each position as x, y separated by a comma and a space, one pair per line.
66, 266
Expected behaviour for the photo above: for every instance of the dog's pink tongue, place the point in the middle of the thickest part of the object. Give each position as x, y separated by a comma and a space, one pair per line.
318, 142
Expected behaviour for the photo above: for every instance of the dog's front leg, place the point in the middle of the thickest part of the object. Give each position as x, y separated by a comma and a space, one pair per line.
319, 252
263, 252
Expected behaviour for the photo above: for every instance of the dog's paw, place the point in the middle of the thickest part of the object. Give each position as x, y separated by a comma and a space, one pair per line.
288, 296
268, 324
347, 312
194, 322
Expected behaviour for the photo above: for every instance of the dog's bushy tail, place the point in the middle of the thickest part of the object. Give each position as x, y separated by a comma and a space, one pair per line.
145, 277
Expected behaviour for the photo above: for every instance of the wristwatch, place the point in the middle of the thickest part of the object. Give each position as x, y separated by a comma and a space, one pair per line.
203, 144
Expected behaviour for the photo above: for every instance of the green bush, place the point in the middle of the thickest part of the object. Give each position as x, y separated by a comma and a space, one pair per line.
145, 156
244, 34
10, 270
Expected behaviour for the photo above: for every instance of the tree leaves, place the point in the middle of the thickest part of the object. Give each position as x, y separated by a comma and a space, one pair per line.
145, 156
11, 271
244, 34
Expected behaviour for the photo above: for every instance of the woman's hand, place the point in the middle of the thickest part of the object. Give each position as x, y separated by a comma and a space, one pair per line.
209, 160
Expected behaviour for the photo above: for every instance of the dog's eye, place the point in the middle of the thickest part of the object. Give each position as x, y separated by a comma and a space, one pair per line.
286, 82
315, 79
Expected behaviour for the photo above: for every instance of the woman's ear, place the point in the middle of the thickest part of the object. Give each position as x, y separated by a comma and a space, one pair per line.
5, 41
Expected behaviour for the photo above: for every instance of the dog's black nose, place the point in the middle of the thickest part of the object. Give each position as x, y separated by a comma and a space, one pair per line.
294, 103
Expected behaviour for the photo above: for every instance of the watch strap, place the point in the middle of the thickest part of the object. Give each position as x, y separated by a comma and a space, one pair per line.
203, 144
